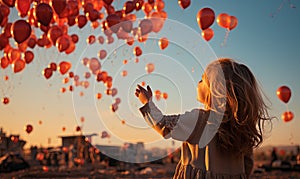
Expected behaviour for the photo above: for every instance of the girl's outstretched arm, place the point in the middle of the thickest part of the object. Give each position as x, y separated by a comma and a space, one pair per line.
183, 127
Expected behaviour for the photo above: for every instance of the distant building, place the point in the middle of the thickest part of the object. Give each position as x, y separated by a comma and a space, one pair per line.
11, 143
81, 144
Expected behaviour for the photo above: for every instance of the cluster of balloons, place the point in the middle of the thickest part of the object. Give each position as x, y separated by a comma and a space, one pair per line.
53, 18
206, 18
284, 94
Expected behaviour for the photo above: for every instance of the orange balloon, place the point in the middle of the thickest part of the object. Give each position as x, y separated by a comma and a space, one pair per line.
64, 67
28, 128
223, 20
287, 116
163, 43
205, 18
4, 62
43, 13
21, 31
23, 7
157, 21
207, 34
149, 67
63, 129
284, 93
164, 95
233, 22
184, 3
157, 94
147, 8
18, 65
98, 95
124, 73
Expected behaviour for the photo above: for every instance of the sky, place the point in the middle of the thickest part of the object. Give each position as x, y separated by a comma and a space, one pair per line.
265, 39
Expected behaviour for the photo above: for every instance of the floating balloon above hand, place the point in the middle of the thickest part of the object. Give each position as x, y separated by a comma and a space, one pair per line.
205, 18
284, 93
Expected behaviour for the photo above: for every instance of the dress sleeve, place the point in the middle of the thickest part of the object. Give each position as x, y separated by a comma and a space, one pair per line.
182, 127
248, 161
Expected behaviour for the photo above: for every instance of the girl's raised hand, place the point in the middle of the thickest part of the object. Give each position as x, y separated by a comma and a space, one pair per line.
143, 94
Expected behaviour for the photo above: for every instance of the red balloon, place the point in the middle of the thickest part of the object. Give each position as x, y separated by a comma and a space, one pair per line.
233, 22
64, 67
205, 18
78, 128
94, 65
23, 7
28, 128
284, 93
81, 21
137, 51
21, 30
223, 20
157, 21
18, 65
287, 116
54, 33
184, 3
28, 56
5, 100
9, 3
63, 43
146, 26
102, 54
59, 6
44, 13
129, 6
3, 41
207, 34
113, 22
47, 73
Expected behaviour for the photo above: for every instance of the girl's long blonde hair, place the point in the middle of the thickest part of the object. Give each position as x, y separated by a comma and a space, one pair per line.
235, 92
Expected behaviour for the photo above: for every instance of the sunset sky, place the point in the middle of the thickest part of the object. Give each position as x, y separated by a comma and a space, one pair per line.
266, 39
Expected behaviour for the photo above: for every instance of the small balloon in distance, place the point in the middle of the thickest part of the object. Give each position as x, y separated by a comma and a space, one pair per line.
287, 116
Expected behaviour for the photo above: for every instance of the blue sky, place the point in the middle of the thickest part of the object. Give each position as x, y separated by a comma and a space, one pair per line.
268, 45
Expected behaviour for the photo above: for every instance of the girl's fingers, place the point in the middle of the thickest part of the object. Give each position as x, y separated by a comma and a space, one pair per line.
137, 94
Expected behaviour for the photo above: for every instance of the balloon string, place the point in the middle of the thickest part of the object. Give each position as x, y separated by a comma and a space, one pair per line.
287, 107
225, 38
280, 7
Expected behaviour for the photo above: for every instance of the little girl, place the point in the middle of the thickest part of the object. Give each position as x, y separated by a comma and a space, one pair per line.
218, 140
